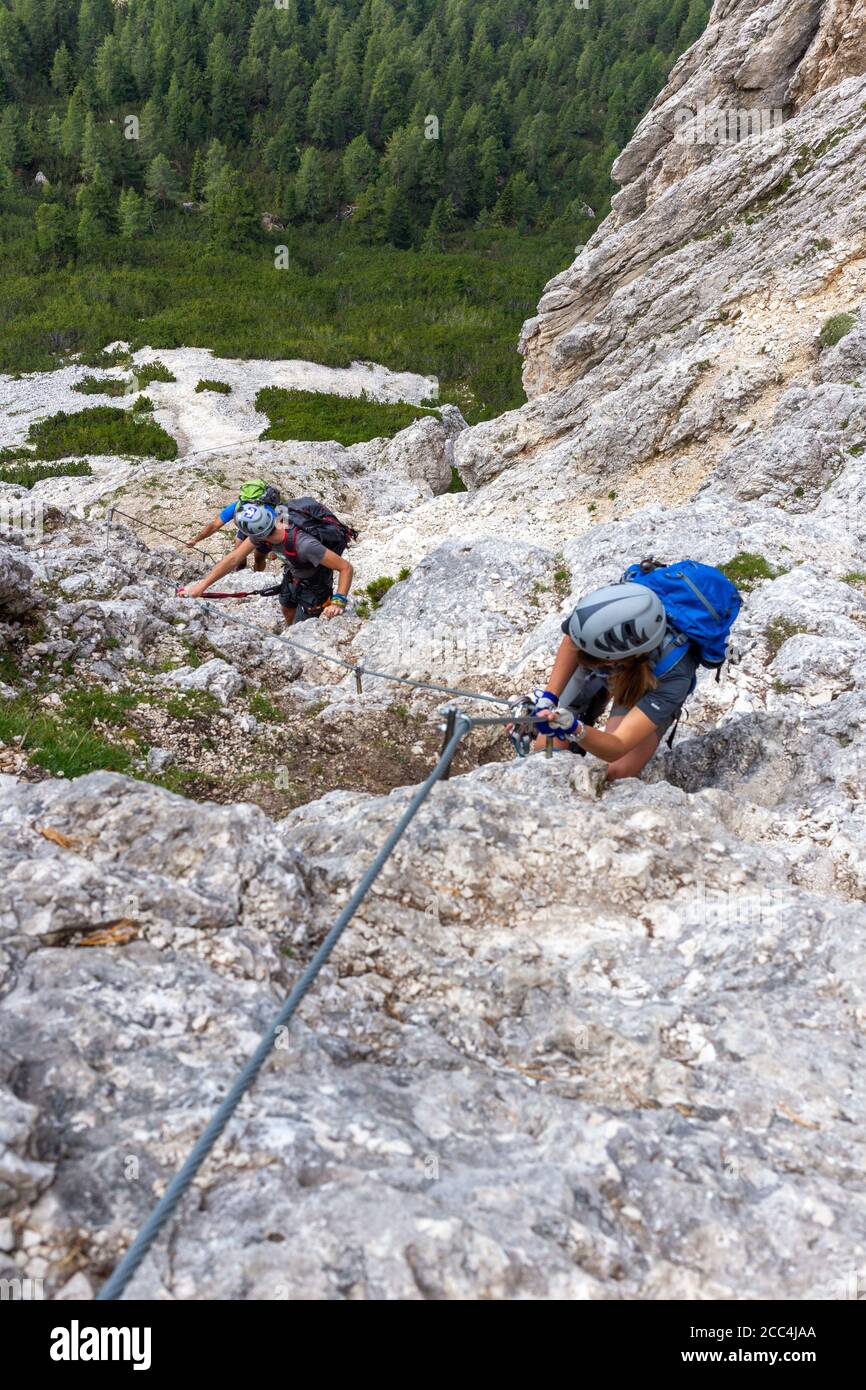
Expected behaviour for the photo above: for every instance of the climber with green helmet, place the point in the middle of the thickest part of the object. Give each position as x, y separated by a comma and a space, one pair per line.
255, 490
309, 540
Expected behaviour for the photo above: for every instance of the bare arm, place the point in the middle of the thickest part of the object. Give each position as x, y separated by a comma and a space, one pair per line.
206, 531
221, 568
609, 747
332, 561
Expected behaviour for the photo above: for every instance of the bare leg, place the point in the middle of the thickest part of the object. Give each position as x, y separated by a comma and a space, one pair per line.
259, 562
288, 614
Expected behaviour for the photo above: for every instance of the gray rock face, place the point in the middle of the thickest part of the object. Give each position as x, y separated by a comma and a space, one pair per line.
666, 1030
700, 298
804, 449
424, 452
459, 611
16, 584
215, 677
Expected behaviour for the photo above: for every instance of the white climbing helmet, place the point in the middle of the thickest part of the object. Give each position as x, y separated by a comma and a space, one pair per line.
255, 522
618, 621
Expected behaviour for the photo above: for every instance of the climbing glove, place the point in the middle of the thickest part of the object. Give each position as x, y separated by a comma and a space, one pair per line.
559, 723
544, 700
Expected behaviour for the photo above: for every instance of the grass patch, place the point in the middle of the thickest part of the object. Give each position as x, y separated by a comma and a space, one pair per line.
835, 329
104, 429
102, 386
64, 740
457, 484
746, 570
776, 634
317, 415
855, 577
562, 579
192, 703
26, 474
263, 709
207, 384
762, 206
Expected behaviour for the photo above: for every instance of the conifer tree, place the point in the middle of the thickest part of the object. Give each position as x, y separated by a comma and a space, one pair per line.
310, 185
232, 211
197, 178
359, 167
91, 237
52, 236
91, 147
62, 71
442, 221
161, 182
133, 218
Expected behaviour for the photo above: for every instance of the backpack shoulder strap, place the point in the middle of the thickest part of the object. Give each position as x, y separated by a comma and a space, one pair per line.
673, 650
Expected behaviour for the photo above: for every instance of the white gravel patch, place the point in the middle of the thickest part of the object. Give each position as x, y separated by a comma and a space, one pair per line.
203, 420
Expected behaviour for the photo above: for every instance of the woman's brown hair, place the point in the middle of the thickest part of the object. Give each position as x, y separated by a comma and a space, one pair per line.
629, 680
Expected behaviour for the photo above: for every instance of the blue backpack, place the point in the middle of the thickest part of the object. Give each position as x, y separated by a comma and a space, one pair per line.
701, 606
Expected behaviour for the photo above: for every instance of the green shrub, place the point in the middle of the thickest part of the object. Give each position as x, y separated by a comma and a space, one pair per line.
457, 484
104, 429
746, 570
340, 301
26, 474
318, 415
118, 357
835, 329
855, 577
101, 386
153, 371
378, 588
142, 405
206, 384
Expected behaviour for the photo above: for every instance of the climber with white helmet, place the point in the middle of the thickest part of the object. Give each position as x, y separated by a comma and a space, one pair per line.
255, 490
309, 540
640, 642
